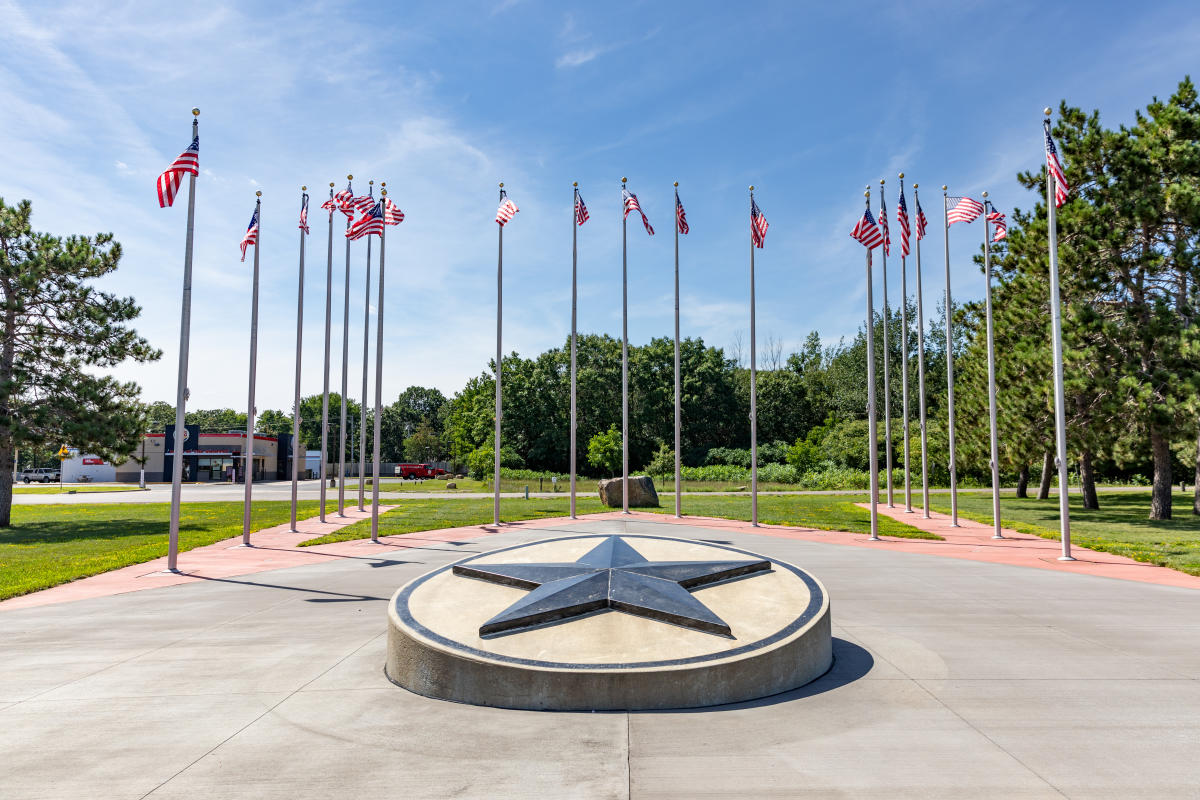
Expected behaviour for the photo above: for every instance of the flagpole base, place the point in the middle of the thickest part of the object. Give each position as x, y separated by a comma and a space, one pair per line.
997, 536
1066, 558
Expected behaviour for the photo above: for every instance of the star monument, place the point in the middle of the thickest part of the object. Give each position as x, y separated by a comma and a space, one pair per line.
612, 575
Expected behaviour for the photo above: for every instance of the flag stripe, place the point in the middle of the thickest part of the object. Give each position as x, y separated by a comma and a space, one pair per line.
963, 209
758, 225
251, 237
188, 163
867, 232
507, 210
632, 204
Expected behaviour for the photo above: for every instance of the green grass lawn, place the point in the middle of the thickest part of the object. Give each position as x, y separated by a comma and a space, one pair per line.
53, 489
827, 512
1120, 525
564, 487
52, 544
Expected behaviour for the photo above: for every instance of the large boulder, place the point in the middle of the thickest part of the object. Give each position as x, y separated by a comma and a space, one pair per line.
641, 492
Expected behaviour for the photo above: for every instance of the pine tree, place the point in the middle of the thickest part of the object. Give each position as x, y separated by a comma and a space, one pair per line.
57, 329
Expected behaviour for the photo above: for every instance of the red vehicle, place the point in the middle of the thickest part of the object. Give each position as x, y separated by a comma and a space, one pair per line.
418, 471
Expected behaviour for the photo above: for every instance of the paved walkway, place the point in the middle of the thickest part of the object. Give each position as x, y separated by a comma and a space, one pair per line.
953, 678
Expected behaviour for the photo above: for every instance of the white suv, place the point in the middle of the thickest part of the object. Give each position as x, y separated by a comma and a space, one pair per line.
42, 475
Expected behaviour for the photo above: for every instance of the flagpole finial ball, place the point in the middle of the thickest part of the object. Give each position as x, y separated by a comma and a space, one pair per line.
752, 188
1047, 111
866, 194
349, 177
677, 183
901, 176
331, 184
195, 112
914, 186
383, 183
985, 194
575, 183
501, 184
383, 191
623, 180
304, 188
258, 194
372, 183
944, 187
881, 181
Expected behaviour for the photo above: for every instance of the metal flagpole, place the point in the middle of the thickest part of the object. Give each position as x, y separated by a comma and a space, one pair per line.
624, 359
341, 480
872, 423
362, 408
991, 361
921, 370
378, 384
325, 391
753, 387
887, 358
904, 366
299, 341
1060, 408
248, 450
181, 390
678, 483
574, 316
499, 399
950, 363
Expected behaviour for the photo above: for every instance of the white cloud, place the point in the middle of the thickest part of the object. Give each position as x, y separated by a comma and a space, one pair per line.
577, 58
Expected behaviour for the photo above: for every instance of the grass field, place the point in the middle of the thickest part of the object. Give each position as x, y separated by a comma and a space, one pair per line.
53, 489
52, 544
583, 485
827, 512
1120, 525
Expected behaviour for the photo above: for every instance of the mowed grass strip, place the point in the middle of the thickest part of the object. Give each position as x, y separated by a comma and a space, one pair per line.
52, 544
1120, 526
825, 512
53, 489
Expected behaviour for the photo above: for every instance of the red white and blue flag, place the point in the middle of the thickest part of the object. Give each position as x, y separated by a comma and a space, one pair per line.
345, 200
1001, 227
758, 224
867, 232
330, 205
507, 210
304, 213
369, 223
188, 163
632, 204
1061, 187
680, 216
922, 221
883, 225
962, 209
902, 218
392, 215
581, 212
251, 237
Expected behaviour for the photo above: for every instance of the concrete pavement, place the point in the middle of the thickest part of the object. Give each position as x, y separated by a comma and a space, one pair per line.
953, 678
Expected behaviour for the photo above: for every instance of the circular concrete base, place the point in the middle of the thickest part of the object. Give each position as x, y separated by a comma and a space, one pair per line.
609, 658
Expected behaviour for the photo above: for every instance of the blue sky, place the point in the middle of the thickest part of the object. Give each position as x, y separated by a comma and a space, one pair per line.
809, 102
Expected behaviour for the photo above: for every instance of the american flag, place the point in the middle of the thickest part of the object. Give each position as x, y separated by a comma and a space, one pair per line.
364, 203
507, 209
251, 237
902, 218
304, 213
369, 223
758, 224
345, 200
581, 215
1061, 187
392, 215
922, 221
680, 216
330, 205
883, 225
867, 232
188, 163
963, 209
631, 204
1001, 231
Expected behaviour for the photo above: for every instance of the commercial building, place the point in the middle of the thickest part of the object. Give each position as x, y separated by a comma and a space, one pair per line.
210, 456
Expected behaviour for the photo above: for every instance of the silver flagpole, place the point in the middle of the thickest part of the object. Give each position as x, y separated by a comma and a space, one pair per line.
753, 387
887, 358
362, 408
181, 390
499, 398
950, 364
378, 385
341, 480
904, 366
991, 361
325, 391
1060, 406
248, 450
872, 423
574, 315
921, 370
299, 342
678, 482
624, 360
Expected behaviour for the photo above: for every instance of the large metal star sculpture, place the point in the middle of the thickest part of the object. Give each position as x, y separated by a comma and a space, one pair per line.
612, 575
